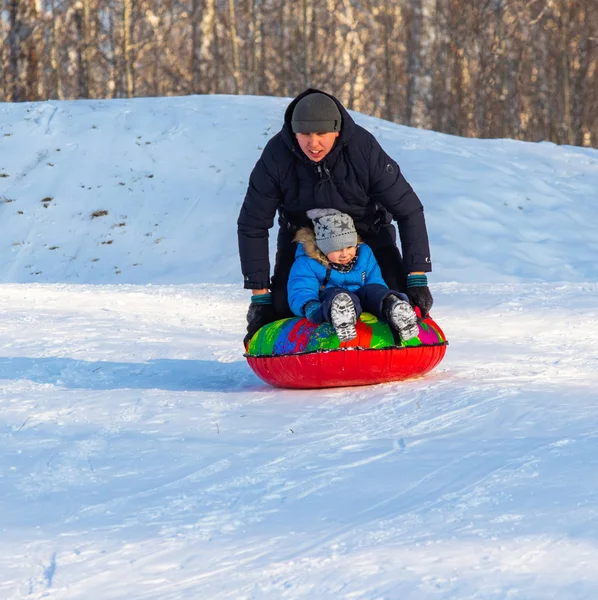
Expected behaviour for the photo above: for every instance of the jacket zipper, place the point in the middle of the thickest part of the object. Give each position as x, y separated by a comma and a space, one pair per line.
326, 170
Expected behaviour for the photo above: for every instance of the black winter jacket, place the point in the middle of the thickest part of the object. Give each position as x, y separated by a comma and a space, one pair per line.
357, 177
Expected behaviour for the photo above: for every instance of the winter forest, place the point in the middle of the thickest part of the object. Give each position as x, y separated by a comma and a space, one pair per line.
521, 69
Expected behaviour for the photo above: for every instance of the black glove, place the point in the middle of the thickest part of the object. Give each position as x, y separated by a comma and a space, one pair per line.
419, 293
260, 313
313, 312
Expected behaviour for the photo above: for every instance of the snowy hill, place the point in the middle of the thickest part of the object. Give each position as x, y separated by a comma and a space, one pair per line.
165, 179
141, 458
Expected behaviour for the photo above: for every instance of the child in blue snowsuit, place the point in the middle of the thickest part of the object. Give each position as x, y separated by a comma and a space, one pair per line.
335, 277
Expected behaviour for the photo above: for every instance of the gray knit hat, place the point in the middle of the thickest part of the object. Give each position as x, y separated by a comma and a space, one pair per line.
316, 113
334, 230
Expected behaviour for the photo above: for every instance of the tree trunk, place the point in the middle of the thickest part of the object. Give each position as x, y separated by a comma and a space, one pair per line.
388, 110
307, 15
55, 54
567, 123
235, 47
207, 52
254, 47
128, 66
195, 47
15, 92
32, 76
260, 72
112, 56
283, 54
216, 60
440, 69
82, 78
87, 46
413, 112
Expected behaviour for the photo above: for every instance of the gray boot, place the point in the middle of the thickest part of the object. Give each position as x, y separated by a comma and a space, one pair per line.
401, 317
343, 317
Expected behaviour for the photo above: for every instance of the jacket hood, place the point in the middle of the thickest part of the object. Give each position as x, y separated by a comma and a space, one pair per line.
307, 238
347, 128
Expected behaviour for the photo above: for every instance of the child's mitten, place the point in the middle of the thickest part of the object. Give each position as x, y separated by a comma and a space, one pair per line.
313, 312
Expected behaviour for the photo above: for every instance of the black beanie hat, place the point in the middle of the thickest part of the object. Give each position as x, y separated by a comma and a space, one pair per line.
316, 113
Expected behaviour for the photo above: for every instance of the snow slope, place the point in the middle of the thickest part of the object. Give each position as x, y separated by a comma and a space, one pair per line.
141, 458
172, 172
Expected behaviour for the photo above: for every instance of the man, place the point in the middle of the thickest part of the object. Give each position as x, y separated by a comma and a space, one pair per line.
322, 159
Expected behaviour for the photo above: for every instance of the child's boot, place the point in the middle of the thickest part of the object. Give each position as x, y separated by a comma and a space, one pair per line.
343, 317
401, 317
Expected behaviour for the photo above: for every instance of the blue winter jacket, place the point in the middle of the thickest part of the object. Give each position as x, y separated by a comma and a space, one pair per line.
308, 274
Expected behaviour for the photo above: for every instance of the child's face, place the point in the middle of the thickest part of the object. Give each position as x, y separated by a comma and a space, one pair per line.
342, 257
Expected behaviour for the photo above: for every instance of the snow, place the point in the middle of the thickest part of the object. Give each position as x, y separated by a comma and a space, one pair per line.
141, 458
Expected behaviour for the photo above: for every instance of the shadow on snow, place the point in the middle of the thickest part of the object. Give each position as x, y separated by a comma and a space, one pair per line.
165, 374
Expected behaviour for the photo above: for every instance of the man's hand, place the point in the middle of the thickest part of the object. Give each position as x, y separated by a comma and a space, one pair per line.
419, 293
260, 313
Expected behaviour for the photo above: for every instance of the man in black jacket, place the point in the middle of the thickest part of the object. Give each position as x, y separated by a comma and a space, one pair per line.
322, 159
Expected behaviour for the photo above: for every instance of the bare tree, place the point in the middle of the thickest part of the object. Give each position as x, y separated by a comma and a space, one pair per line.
56, 66
15, 91
414, 100
237, 76
526, 69
126, 52
195, 46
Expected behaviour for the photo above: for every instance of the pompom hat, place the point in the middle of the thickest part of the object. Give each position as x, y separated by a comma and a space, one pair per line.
334, 230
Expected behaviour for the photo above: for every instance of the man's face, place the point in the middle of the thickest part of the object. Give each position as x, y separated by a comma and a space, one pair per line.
316, 145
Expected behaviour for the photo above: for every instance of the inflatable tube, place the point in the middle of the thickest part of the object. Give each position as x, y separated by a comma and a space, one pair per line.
294, 353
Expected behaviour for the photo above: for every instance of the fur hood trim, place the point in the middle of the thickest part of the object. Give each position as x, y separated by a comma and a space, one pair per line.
307, 237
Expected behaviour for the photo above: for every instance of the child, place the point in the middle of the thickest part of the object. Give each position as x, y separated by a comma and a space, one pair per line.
335, 277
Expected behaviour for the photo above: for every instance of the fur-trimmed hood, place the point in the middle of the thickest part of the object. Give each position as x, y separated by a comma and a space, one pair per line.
307, 238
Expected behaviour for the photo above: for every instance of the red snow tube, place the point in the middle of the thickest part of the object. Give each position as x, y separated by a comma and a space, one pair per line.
294, 353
